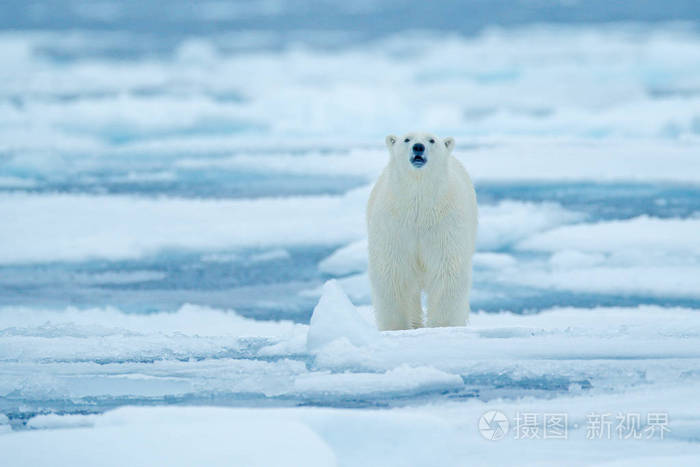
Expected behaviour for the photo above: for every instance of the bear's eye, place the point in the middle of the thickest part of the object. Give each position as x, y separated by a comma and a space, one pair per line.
407, 140
432, 141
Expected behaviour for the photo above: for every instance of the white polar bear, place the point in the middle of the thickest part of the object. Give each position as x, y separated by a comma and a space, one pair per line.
421, 222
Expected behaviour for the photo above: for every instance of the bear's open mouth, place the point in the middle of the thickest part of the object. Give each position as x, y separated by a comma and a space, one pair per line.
418, 161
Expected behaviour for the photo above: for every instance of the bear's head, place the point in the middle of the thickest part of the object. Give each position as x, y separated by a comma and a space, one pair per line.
419, 151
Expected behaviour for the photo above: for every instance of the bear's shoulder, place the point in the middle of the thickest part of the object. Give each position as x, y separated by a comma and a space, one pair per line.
458, 170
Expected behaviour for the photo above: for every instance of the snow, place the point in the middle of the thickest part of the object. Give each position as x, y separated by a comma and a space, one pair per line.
129, 227
178, 437
183, 251
660, 281
642, 234
98, 352
496, 86
584, 160
507, 222
366, 163
203, 352
348, 259
658, 257
606, 360
445, 435
125, 227
191, 318
559, 336
494, 260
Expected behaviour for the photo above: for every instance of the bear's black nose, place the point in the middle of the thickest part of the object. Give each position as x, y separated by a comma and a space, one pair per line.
418, 148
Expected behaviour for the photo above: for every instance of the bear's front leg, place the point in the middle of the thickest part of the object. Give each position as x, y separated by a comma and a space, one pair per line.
396, 297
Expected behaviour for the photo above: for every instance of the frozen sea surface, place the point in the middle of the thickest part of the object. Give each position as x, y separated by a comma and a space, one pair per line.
169, 221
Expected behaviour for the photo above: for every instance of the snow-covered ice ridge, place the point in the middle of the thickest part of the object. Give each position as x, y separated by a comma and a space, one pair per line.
169, 222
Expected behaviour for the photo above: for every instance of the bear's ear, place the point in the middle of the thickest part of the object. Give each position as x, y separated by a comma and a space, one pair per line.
449, 144
390, 141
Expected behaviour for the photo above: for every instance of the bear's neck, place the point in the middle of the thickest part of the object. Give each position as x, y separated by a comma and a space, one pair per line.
420, 195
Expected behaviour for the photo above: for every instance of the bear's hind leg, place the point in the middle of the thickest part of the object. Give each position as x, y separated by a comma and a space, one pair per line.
448, 301
396, 309
413, 308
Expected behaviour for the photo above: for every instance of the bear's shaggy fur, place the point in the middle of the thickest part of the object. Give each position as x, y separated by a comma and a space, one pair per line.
422, 222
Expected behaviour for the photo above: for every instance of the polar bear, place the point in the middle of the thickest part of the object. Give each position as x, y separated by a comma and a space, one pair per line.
421, 223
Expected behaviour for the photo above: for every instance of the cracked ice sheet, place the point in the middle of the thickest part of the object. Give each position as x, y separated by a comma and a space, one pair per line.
659, 257
123, 226
54, 354
199, 352
561, 346
438, 434
632, 360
